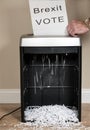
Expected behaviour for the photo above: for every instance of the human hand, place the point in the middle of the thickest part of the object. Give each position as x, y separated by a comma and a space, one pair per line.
77, 27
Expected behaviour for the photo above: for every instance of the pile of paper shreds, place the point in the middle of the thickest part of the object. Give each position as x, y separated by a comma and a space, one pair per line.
51, 115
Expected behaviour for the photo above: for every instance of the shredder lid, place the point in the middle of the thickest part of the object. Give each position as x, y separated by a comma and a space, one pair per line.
33, 41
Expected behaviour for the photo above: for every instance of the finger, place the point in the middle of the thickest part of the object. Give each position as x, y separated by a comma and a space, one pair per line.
68, 28
72, 33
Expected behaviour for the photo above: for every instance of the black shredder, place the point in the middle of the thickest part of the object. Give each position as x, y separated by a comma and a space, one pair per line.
50, 70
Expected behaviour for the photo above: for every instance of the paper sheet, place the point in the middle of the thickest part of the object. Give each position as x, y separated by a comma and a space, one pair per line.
49, 17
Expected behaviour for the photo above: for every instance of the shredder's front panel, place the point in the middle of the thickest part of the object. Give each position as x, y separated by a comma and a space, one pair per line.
51, 75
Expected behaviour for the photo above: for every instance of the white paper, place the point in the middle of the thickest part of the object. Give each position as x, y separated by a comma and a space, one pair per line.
49, 17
